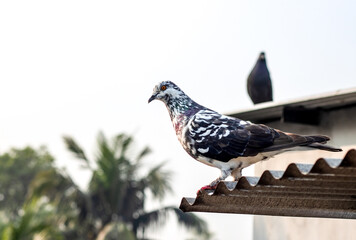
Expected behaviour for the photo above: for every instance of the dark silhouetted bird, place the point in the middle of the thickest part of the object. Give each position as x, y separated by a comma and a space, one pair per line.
224, 142
259, 84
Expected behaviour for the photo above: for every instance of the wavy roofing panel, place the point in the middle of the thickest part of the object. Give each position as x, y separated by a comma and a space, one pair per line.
324, 189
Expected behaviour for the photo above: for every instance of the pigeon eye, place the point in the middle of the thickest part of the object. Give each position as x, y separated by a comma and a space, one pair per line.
164, 87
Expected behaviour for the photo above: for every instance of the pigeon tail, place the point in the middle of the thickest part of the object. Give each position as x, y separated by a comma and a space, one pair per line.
324, 147
318, 142
290, 140
317, 138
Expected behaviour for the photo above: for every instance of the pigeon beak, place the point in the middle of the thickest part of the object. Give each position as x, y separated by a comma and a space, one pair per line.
153, 97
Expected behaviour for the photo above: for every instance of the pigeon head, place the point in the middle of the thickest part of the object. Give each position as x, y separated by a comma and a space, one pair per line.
262, 56
176, 101
166, 91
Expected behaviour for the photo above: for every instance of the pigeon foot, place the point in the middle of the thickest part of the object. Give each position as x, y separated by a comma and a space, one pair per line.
207, 187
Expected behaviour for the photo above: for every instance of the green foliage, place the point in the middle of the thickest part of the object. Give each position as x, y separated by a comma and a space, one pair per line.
38, 200
116, 230
57, 187
17, 168
25, 213
118, 188
36, 219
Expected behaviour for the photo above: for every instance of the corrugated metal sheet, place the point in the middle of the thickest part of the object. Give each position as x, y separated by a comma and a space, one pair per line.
324, 189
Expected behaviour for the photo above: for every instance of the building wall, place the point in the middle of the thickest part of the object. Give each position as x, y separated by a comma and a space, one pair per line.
297, 228
340, 125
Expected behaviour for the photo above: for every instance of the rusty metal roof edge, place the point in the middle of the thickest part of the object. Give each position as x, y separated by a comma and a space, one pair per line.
322, 166
186, 206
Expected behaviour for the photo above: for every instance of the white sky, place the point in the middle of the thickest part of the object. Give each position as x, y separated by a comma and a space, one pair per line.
77, 67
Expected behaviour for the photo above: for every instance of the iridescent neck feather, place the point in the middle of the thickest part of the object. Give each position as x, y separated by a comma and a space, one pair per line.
181, 105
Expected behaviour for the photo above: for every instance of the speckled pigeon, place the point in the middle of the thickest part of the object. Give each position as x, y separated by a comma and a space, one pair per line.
224, 142
259, 84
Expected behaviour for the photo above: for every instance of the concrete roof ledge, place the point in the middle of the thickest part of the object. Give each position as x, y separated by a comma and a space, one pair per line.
274, 110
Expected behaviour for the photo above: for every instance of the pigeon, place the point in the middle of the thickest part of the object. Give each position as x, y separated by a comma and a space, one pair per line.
259, 85
225, 142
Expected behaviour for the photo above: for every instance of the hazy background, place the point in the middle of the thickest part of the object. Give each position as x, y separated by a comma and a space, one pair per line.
77, 67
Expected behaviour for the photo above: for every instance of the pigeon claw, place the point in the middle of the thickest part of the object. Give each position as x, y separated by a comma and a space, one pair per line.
206, 188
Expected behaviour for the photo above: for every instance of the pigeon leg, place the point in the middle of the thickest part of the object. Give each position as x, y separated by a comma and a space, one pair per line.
236, 173
213, 184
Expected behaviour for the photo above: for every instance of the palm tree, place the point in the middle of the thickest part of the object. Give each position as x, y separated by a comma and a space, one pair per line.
114, 204
36, 220
69, 202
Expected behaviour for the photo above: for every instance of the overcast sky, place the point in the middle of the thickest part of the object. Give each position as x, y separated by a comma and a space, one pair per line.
78, 67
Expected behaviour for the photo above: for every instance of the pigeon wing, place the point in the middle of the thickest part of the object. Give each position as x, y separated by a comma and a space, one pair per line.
222, 138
